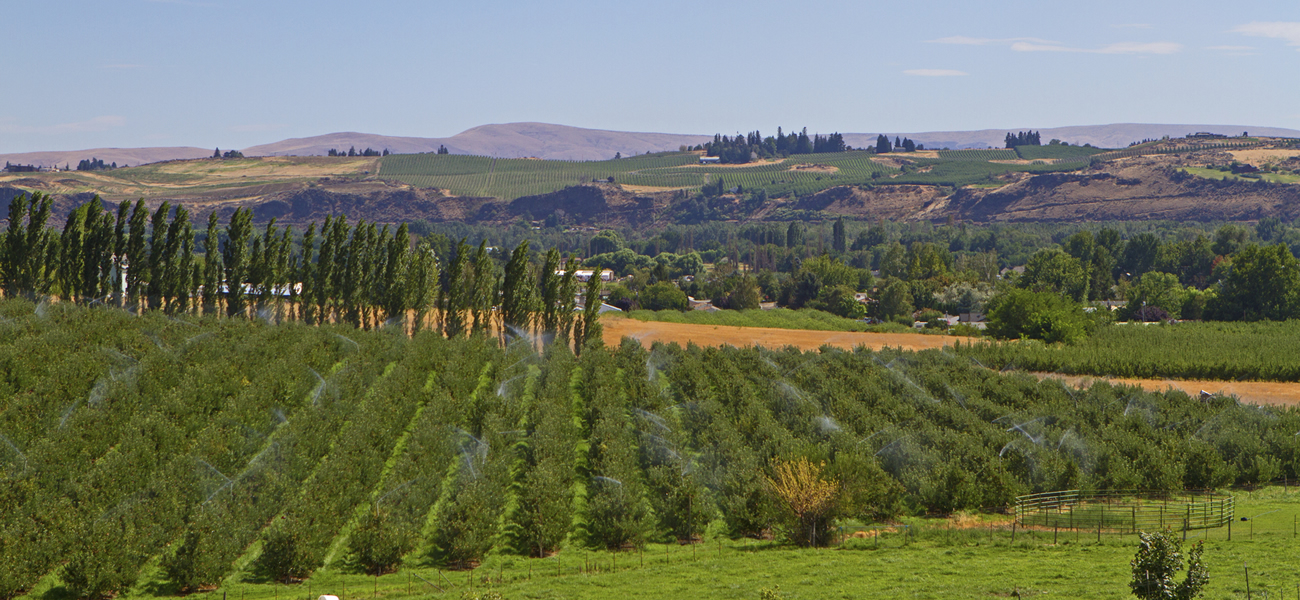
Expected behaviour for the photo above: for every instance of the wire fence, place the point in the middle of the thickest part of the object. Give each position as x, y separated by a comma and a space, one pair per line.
1128, 511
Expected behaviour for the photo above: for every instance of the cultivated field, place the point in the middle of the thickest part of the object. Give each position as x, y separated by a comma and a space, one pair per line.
649, 332
800, 175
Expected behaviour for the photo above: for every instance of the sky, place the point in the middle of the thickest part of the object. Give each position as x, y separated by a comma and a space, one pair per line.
236, 73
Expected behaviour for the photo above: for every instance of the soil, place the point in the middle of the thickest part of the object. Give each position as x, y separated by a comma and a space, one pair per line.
1275, 393
649, 332
814, 168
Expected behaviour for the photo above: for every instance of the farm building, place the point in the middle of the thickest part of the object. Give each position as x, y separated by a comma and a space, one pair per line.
584, 275
710, 160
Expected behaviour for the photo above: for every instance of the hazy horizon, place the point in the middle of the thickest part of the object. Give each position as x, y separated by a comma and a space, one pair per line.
235, 74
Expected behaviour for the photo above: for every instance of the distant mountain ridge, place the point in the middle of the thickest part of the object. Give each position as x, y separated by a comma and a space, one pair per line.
561, 142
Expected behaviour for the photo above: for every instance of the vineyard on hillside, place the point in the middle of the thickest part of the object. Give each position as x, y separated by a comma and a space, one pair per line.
799, 175
217, 447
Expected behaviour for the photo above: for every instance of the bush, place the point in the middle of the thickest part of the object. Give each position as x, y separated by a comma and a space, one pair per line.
377, 545
1159, 558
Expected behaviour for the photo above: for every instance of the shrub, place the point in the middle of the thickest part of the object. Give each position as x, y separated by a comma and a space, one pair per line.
1159, 558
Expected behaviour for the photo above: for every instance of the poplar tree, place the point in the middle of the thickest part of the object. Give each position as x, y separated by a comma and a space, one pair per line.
39, 271
483, 289
589, 329
455, 292
396, 270
16, 249
158, 258
306, 275
212, 267
71, 247
839, 240
235, 259
549, 284
566, 303
516, 294
422, 282
119, 252
137, 261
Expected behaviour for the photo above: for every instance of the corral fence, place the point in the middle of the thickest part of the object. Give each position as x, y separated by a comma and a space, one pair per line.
1125, 511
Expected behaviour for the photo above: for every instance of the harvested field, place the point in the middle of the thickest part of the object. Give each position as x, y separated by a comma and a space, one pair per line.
1255, 392
742, 337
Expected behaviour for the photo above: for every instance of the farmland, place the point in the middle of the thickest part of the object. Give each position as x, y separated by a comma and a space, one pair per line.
799, 175
154, 454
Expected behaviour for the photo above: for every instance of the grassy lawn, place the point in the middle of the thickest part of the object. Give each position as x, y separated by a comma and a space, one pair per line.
940, 561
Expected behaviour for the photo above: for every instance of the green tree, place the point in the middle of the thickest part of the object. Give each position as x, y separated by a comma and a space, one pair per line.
662, 296
516, 294
137, 257
1156, 289
745, 295
1264, 284
1054, 270
1159, 558
895, 300
839, 239
235, 259
589, 327
1140, 255
1046, 316
212, 266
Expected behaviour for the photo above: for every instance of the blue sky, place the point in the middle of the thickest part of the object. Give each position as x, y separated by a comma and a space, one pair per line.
235, 73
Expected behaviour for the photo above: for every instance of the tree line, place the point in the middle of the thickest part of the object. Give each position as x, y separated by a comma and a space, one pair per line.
745, 148
1023, 138
365, 275
353, 152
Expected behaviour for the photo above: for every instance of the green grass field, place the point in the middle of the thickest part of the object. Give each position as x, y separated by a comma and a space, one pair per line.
1219, 175
976, 559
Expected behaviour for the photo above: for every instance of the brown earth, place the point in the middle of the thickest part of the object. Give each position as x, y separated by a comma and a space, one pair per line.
649, 332
895, 202
1131, 189
1276, 393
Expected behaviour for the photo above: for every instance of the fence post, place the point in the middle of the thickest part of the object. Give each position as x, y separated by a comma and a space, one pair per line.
1135, 519
1013, 531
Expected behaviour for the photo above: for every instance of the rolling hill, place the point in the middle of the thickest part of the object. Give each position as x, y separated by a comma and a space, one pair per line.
561, 142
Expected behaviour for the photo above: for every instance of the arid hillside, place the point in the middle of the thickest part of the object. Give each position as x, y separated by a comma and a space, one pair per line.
1198, 185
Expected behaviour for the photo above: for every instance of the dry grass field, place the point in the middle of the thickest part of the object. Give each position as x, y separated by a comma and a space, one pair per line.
648, 332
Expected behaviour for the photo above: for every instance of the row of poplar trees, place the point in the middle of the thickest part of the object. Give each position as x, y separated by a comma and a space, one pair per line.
365, 275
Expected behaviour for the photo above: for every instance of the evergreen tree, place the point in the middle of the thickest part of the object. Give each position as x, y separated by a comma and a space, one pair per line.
306, 275
882, 144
